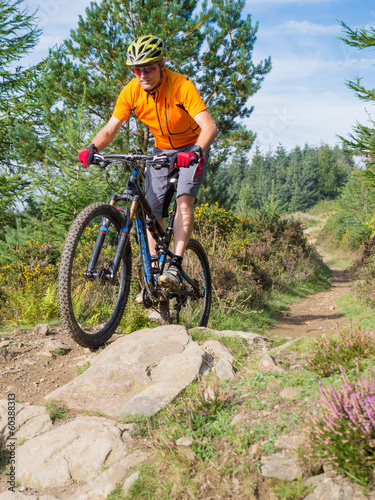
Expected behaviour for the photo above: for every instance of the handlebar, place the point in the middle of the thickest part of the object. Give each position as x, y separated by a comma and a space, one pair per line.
156, 161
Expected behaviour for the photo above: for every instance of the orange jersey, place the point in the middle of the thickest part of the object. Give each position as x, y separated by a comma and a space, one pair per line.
169, 114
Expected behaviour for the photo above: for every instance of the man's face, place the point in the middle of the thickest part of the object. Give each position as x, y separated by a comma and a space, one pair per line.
148, 75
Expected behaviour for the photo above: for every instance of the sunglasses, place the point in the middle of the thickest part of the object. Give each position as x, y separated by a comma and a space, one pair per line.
146, 70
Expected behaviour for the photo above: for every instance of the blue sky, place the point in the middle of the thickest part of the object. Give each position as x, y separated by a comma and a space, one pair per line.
304, 98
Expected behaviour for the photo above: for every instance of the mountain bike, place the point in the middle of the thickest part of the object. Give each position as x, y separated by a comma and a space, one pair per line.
96, 262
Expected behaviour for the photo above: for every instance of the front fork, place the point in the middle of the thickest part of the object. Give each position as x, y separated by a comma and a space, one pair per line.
111, 272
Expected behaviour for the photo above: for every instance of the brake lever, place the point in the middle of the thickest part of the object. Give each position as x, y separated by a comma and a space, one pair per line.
160, 161
100, 161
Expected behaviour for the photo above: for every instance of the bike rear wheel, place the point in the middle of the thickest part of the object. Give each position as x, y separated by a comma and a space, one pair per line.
192, 309
91, 307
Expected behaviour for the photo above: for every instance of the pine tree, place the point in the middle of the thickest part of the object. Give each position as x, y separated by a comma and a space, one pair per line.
362, 141
18, 93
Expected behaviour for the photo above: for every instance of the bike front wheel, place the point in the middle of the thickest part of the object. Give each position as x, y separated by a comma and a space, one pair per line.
190, 306
92, 304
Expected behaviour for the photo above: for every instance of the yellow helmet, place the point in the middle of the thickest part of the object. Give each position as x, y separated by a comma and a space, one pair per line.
146, 49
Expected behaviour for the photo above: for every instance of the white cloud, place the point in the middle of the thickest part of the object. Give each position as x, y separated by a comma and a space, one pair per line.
292, 70
307, 28
293, 119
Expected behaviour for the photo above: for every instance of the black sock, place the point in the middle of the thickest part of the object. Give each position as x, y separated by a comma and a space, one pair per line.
176, 261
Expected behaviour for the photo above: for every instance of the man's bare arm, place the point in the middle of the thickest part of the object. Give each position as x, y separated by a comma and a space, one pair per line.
209, 130
106, 135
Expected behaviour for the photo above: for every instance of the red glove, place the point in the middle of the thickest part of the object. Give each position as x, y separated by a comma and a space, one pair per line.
85, 156
185, 159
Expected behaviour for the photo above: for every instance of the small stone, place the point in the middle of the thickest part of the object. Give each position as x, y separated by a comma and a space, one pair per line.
184, 441
290, 442
44, 354
184, 447
280, 466
29, 362
268, 363
218, 350
155, 315
53, 345
290, 392
329, 489
237, 420
41, 329
224, 369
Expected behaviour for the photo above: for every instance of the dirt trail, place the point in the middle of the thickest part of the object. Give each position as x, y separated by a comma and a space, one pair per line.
317, 313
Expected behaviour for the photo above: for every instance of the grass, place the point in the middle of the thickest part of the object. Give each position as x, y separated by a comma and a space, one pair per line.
55, 412
291, 490
221, 450
357, 311
324, 207
83, 368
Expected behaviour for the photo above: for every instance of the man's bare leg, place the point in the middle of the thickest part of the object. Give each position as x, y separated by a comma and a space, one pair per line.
182, 229
183, 223
151, 241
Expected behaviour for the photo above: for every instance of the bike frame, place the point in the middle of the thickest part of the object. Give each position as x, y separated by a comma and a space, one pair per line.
134, 196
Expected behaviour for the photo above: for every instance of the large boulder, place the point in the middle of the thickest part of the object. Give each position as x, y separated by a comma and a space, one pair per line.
76, 451
137, 374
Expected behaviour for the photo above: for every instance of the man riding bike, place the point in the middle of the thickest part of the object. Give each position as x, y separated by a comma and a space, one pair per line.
170, 105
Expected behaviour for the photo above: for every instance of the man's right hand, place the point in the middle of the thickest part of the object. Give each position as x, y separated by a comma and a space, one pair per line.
85, 156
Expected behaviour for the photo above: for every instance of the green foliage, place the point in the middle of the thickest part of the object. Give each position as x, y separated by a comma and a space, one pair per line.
28, 282
289, 182
351, 224
341, 350
83, 368
19, 35
197, 417
362, 141
364, 272
291, 490
55, 412
251, 259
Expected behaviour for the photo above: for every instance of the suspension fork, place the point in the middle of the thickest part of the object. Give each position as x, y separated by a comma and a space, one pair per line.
124, 234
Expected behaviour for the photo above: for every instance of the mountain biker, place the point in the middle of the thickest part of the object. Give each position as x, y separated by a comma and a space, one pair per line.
170, 105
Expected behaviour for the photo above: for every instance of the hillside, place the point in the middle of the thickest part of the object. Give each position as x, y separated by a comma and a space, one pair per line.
246, 437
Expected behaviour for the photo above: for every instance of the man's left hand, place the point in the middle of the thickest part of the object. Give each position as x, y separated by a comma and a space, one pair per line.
186, 159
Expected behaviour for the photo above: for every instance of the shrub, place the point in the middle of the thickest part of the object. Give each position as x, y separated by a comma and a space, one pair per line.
28, 283
250, 256
350, 225
344, 434
341, 350
363, 271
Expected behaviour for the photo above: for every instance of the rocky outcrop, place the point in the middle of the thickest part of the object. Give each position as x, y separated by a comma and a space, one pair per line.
76, 451
137, 374
31, 420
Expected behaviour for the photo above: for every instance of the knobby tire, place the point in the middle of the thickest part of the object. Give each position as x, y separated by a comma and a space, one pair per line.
91, 309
